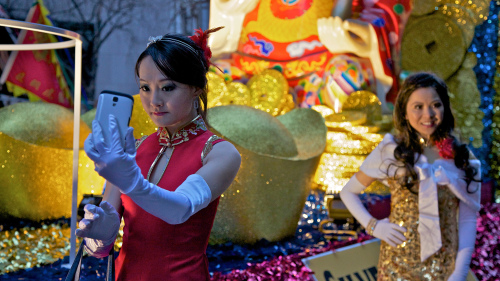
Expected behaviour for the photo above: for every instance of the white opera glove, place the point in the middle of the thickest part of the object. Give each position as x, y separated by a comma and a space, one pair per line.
99, 227
349, 195
391, 233
467, 221
114, 162
172, 207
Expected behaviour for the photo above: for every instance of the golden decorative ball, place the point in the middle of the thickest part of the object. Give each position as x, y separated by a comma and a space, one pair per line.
217, 89
268, 89
238, 94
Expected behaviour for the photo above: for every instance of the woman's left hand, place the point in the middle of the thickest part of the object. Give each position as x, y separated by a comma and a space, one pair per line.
112, 161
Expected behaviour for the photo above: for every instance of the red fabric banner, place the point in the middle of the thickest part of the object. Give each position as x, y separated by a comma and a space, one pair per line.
38, 73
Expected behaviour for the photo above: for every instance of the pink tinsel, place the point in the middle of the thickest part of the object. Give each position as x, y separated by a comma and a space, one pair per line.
287, 268
485, 259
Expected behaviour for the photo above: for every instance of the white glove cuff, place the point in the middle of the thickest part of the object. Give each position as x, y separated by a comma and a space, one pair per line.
98, 248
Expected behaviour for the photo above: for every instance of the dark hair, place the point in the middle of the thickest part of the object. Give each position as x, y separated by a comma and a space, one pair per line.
180, 59
407, 138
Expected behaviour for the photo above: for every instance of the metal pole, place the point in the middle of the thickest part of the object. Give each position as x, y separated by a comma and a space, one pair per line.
76, 145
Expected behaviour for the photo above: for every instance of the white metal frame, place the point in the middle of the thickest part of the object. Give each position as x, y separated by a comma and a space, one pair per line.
74, 41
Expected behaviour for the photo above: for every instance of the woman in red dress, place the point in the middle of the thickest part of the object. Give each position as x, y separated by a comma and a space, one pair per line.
166, 186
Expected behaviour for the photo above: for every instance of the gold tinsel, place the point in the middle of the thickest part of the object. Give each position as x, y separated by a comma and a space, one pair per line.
28, 247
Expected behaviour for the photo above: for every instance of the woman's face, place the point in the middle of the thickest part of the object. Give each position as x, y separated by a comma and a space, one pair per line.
167, 102
424, 111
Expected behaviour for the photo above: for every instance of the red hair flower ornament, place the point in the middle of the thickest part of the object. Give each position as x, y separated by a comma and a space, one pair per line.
200, 37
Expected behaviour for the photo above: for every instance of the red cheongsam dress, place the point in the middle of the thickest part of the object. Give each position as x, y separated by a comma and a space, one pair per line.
153, 249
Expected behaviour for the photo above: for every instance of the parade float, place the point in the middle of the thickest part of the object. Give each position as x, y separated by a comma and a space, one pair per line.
304, 89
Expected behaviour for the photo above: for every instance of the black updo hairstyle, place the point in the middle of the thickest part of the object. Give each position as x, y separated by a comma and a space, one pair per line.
182, 60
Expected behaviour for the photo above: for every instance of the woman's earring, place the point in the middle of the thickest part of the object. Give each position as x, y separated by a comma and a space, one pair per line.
196, 105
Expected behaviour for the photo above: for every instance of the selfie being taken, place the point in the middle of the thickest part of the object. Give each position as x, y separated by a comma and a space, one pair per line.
249, 140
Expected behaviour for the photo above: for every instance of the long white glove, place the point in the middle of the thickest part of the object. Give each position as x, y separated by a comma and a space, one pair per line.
384, 230
99, 227
117, 165
112, 161
467, 220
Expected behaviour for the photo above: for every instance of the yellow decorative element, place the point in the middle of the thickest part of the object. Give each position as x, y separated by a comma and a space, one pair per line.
477, 10
351, 144
287, 104
268, 88
299, 68
140, 121
348, 142
465, 100
217, 89
44, 124
287, 30
345, 120
254, 67
366, 102
267, 197
440, 51
37, 180
323, 110
253, 129
238, 94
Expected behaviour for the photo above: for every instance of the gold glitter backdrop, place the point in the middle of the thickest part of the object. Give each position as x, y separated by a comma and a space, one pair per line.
36, 159
279, 158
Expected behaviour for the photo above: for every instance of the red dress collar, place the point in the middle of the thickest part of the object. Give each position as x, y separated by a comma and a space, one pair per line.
187, 132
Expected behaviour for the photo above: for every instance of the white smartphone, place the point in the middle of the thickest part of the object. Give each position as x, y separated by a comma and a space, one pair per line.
118, 104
